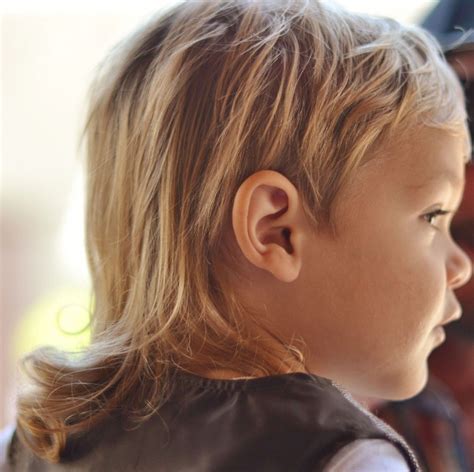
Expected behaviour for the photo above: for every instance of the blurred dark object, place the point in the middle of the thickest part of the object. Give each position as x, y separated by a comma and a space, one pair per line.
469, 91
452, 22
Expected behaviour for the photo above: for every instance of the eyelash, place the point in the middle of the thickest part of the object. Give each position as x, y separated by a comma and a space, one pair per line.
434, 214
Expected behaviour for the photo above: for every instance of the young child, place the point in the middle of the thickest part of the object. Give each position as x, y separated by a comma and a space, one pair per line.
269, 191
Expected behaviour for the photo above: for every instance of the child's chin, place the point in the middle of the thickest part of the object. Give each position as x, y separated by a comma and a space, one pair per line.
396, 386
400, 385
407, 386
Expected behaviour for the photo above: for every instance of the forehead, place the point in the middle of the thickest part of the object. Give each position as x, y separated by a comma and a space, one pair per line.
427, 155
427, 161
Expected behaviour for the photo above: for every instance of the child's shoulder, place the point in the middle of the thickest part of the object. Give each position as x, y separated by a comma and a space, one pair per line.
276, 423
296, 421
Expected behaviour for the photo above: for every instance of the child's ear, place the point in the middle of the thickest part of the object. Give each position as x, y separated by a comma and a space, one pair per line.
269, 224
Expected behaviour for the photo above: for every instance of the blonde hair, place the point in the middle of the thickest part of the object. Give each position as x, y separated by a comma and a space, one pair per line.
181, 112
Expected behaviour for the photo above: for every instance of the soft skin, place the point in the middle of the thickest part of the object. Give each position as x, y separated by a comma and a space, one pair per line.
366, 302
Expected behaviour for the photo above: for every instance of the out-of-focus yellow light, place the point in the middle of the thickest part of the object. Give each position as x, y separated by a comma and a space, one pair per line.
60, 319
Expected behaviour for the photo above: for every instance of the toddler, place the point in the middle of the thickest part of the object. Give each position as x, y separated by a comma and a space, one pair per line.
270, 186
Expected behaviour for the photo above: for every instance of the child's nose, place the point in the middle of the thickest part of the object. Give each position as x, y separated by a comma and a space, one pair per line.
459, 268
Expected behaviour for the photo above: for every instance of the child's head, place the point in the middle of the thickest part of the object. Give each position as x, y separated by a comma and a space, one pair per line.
211, 94
244, 196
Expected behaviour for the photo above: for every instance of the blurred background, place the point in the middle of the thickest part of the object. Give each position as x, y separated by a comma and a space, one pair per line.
49, 53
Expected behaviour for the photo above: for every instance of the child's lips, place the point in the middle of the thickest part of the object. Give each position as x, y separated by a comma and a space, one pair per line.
440, 333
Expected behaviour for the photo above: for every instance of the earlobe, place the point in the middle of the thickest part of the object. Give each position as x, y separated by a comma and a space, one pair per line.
266, 224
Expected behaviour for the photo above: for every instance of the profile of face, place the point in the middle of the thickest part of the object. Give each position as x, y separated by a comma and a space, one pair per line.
393, 271
369, 301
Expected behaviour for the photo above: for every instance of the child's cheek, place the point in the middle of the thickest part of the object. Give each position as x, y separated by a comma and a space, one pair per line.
411, 284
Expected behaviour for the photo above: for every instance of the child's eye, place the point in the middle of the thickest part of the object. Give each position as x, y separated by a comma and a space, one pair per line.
429, 217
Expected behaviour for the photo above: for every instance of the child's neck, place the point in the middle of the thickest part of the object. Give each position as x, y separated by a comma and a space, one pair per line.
222, 374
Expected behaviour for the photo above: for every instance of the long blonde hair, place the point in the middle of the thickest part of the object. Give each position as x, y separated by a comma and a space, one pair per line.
181, 112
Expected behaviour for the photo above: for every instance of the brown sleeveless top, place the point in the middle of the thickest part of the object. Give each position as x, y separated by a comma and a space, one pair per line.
287, 422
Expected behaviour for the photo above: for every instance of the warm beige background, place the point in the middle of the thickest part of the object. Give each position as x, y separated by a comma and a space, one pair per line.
49, 51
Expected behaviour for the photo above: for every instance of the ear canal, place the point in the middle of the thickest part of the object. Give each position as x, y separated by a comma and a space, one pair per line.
286, 237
